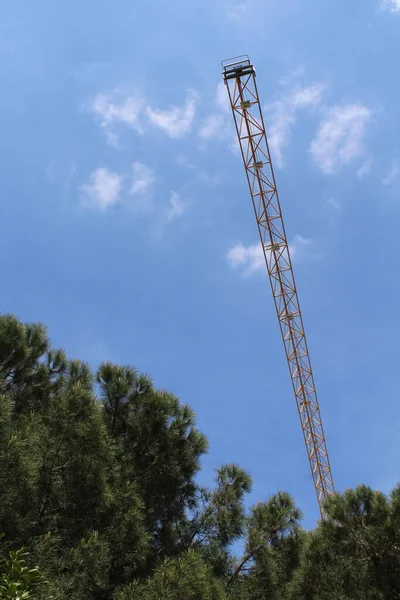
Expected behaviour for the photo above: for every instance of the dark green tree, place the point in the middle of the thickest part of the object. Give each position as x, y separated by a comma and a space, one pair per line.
158, 447
218, 519
356, 549
98, 481
272, 552
186, 577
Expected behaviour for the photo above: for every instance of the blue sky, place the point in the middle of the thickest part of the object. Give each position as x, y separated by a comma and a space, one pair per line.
128, 229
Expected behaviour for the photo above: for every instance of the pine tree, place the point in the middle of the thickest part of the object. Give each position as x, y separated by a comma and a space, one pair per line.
98, 482
272, 551
187, 577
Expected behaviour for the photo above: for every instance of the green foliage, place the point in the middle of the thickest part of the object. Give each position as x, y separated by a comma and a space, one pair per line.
98, 483
83, 572
272, 551
17, 580
158, 448
187, 577
357, 549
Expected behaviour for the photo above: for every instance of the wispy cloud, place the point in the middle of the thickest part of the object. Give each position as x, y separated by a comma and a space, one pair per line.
177, 120
143, 178
221, 98
185, 162
117, 107
391, 5
299, 246
218, 124
211, 178
365, 168
282, 115
340, 137
176, 207
392, 179
103, 189
250, 259
333, 204
237, 11
112, 139
213, 126
293, 76
111, 108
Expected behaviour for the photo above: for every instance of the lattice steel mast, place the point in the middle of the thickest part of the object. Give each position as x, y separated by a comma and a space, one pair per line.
239, 76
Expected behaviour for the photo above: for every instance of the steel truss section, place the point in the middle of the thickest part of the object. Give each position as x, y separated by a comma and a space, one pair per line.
239, 76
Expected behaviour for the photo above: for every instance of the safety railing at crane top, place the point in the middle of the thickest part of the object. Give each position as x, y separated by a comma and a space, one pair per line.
237, 66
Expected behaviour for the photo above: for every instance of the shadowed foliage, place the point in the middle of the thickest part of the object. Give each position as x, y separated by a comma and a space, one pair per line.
99, 499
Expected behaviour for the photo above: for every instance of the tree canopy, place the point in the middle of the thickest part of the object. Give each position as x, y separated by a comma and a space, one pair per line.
99, 499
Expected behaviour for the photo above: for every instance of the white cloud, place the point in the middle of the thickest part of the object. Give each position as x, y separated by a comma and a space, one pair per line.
103, 189
392, 179
176, 121
112, 139
298, 245
185, 162
222, 98
235, 145
306, 97
391, 5
340, 137
125, 111
238, 11
143, 178
282, 114
176, 207
365, 168
115, 107
250, 259
213, 126
217, 125
292, 77
333, 204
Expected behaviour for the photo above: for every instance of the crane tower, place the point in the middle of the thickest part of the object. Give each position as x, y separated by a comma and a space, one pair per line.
239, 77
